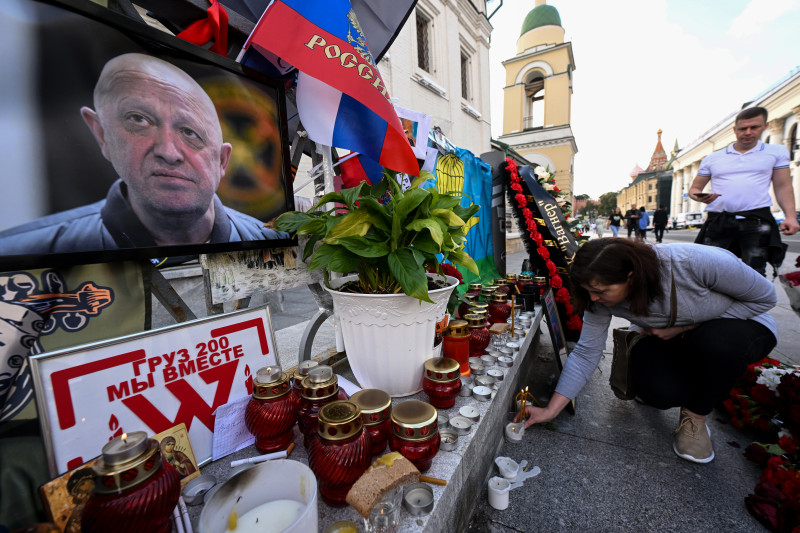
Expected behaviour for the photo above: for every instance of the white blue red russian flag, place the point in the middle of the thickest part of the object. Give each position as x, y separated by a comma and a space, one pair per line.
341, 96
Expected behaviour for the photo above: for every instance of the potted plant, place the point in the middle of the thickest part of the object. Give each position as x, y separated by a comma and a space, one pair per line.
391, 239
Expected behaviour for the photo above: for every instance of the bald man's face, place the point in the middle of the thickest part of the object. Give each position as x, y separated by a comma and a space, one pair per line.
163, 138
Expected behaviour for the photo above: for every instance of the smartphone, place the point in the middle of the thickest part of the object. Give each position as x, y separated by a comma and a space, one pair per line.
702, 195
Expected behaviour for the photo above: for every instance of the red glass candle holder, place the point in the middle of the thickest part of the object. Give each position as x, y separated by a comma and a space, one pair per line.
499, 309
479, 336
487, 292
340, 450
456, 344
272, 411
376, 406
297, 379
415, 433
502, 286
474, 288
481, 309
441, 381
134, 491
541, 282
319, 388
467, 300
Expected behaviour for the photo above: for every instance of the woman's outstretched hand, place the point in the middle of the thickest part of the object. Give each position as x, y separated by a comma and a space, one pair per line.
534, 415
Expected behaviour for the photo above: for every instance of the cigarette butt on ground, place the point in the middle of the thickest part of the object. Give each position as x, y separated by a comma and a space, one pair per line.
289, 449
432, 480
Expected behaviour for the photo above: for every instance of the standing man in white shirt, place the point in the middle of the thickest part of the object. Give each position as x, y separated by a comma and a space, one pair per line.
739, 217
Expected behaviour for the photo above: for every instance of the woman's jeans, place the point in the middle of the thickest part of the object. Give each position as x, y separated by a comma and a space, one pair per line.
615, 230
698, 369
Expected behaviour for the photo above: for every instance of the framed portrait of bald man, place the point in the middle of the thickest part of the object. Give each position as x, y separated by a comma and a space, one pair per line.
124, 142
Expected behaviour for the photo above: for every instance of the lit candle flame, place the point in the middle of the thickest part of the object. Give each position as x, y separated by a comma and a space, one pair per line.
124, 437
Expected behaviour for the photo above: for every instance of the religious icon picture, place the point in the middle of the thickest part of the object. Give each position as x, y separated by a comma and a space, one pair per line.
65, 497
176, 449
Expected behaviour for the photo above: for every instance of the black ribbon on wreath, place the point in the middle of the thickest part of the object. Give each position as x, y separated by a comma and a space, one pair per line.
556, 238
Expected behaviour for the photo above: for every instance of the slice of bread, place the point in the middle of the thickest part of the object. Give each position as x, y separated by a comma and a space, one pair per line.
388, 472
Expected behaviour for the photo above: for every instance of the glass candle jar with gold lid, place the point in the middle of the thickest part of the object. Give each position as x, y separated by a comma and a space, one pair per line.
272, 411
479, 336
499, 309
502, 286
318, 388
376, 406
339, 452
482, 309
487, 292
415, 432
467, 300
441, 381
474, 288
134, 490
299, 373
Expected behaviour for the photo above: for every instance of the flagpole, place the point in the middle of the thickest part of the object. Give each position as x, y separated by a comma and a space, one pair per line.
327, 173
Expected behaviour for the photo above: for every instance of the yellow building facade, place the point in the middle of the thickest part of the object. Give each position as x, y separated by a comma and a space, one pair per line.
538, 96
782, 102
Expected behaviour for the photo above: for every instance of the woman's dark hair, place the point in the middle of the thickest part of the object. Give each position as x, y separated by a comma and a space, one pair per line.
610, 261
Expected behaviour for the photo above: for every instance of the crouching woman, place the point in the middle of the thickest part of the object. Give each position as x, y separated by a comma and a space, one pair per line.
721, 325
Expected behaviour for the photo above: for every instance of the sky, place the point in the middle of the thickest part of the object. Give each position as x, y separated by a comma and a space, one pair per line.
643, 65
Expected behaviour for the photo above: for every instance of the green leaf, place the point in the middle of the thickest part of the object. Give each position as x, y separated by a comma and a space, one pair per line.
353, 223
292, 220
351, 195
446, 202
409, 274
418, 181
321, 256
309, 249
449, 218
342, 260
315, 225
406, 205
419, 257
460, 257
365, 247
466, 213
380, 188
425, 243
378, 216
431, 224
330, 197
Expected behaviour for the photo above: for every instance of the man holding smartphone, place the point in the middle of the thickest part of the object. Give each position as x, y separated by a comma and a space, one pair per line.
739, 217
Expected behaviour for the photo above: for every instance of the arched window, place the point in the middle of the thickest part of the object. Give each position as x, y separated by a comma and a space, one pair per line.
534, 101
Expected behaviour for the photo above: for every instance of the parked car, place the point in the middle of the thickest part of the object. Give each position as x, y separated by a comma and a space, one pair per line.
690, 219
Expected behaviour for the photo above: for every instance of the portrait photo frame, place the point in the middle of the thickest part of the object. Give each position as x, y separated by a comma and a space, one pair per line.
54, 166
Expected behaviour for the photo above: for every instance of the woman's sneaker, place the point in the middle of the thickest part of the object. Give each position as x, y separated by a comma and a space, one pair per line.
692, 440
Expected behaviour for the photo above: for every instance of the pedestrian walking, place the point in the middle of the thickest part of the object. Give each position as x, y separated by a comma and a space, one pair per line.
632, 220
660, 218
644, 221
739, 217
720, 325
600, 226
614, 221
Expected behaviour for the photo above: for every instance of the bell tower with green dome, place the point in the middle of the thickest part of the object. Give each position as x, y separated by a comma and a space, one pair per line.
538, 95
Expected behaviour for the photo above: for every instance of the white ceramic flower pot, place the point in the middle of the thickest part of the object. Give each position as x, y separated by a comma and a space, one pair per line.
388, 337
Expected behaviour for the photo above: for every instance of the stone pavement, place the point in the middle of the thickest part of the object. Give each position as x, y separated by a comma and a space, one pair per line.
611, 468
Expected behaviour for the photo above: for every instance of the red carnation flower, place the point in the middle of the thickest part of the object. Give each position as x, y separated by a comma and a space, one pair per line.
517, 187
531, 224
562, 295
551, 267
527, 214
555, 282
538, 238
544, 253
520, 198
574, 323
